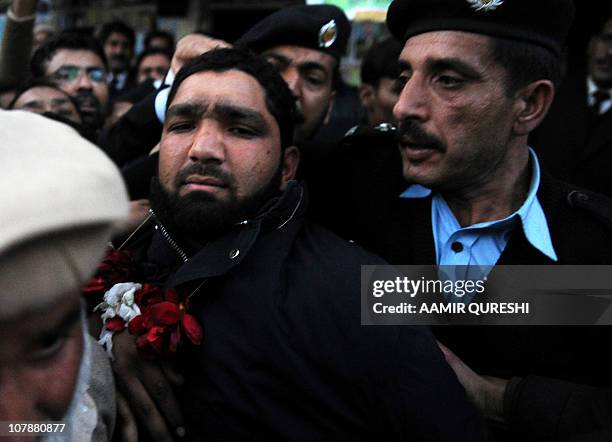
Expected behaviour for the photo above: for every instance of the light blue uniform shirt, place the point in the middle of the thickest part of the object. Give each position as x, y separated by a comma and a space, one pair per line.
480, 245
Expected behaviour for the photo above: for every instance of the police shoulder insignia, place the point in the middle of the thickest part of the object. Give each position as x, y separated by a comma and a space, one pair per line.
328, 34
485, 5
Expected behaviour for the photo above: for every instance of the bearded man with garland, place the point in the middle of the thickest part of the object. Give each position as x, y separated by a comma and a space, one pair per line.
284, 356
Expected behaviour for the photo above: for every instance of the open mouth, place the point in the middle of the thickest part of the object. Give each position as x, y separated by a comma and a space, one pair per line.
87, 105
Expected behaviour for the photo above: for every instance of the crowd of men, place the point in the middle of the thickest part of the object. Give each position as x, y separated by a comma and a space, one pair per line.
205, 163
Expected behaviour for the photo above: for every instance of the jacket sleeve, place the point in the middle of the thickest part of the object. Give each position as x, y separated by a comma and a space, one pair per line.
547, 409
134, 134
435, 404
16, 49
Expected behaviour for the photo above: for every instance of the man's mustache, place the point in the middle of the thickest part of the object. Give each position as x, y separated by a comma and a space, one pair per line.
299, 116
410, 132
209, 170
83, 96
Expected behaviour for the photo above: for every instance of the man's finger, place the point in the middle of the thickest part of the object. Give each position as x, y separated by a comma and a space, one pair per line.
144, 408
126, 422
160, 390
192, 46
172, 375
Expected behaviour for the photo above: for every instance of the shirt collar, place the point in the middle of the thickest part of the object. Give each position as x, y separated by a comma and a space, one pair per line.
592, 88
531, 214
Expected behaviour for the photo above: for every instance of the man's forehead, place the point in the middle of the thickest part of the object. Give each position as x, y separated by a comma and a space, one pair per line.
447, 44
210, 90
42, 93
76, 57
46, 91
117, 36
155, 59
232, 85
300, 54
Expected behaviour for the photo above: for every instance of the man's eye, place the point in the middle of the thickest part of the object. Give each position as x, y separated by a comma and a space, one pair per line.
315, 80
63, 75
180, 127
448, 81
243, 132
48, 347
401, 81
96, 74
275, 62
397, 86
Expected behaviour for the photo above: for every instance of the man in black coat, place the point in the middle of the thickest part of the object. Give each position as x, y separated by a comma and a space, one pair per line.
478, 77
575, 139
284, 356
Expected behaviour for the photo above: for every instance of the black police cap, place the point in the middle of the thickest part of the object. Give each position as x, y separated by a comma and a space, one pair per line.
321, 27
541, 22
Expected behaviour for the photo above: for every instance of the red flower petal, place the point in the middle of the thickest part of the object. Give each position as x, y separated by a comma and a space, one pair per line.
154, 339
172, 296
137, 325
148, 294
155, 334
192, 328
164, 313
115, 324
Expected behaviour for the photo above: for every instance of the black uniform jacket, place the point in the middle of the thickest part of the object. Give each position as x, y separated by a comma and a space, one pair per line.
573, 145
284, 356
400, 231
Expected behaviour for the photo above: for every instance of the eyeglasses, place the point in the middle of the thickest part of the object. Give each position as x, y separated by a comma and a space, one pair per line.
70, 73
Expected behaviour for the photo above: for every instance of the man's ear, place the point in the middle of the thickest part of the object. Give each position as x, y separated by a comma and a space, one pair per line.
533, 102
291, 160
330, 107
366, 95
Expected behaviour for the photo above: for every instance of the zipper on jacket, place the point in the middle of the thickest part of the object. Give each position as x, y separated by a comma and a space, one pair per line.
169, 239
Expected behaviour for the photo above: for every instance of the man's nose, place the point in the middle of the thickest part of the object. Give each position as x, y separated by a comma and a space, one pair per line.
413, 101
83, 81
208, 143
292, 77
17, 404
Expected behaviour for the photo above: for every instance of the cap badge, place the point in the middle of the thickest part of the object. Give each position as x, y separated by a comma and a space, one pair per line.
328, 34
485, 5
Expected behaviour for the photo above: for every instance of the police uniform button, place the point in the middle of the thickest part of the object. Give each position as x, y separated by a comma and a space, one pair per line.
351, 131
233, 254
457, 247
582, 196
385, 127
576, 196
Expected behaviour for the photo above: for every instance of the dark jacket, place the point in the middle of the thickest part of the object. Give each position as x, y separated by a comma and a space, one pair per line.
134, 134
545, 409
400, 231
571, 144
284, 356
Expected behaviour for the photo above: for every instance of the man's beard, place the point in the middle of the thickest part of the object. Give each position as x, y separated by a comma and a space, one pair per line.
199, 217
90, 119
119, 63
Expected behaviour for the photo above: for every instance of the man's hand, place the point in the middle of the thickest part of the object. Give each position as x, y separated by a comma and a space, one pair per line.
192, 46
23, 8
146, 388
486, 392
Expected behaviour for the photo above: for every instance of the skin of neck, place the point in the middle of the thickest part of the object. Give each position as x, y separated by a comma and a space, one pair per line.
496, 194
